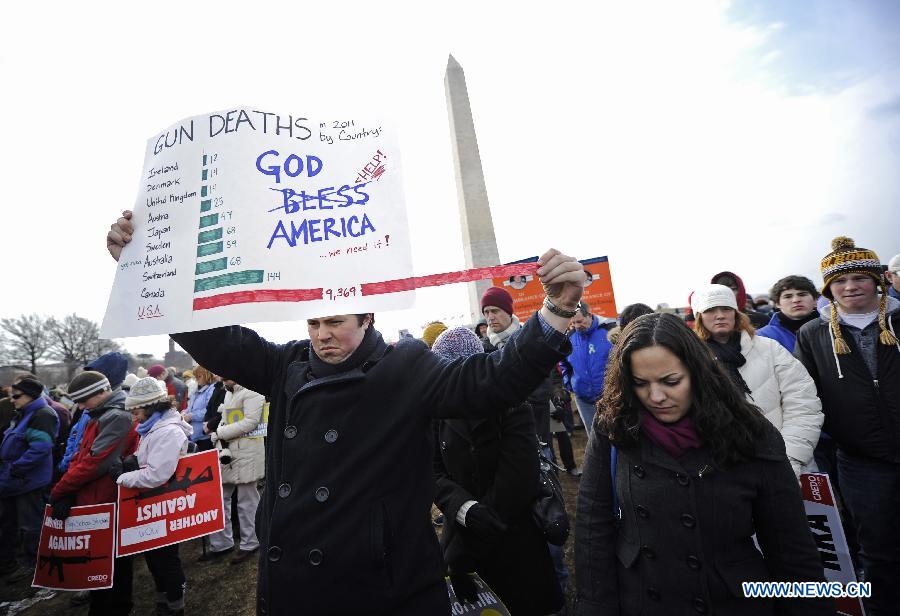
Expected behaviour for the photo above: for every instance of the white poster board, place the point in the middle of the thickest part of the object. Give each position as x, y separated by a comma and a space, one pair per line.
246, 215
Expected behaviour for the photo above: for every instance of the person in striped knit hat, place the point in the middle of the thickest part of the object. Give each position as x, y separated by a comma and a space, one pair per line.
851, 352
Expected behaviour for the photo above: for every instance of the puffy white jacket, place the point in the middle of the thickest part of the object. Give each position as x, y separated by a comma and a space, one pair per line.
787, 395
158, 452
241, 414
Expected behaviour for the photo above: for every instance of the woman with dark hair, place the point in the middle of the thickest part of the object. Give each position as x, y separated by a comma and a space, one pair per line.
772, 378
665, 521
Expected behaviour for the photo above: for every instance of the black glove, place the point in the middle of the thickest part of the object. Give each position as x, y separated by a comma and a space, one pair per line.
556, 414
459, 563
62, 506
464, 587
115, 469
130, 464
484, 524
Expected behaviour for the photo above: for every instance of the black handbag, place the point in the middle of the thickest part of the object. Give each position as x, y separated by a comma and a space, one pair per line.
549, 509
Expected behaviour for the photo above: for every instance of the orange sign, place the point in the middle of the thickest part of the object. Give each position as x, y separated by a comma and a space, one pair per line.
528, 294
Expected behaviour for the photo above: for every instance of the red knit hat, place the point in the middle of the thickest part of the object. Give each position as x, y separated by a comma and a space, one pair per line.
495, 296
156, 370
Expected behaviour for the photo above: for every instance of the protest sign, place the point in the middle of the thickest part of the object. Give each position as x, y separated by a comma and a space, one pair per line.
247, 215
237, 414
825, 524
187, 506
488, 604
528, 294
77, 553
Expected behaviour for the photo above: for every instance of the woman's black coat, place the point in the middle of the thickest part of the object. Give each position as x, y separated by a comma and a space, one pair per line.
494, 461
345, 519
684, 542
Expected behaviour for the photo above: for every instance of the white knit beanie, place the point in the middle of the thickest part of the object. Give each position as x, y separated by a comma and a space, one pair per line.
894, 264
144, 392
712, 296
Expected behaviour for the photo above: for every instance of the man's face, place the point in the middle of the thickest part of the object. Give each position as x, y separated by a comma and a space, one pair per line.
19, 399
229, 384
94, 401
796, 304
894, 279
497, 319
581, 322
335, 338
855, 293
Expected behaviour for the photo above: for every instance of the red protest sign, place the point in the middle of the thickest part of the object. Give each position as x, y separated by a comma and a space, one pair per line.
188, 506
825, 525
77, 553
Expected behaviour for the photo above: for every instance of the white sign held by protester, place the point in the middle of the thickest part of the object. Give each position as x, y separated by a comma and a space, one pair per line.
246, 215
825, 525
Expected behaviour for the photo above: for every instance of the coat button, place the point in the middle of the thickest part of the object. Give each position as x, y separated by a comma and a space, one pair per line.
688, 520
284, 490
331, 436
639, 471
653, 594
316, 556
290, 432
693, 562
700, 605
642, 511
682, 479
648, 553
322, 494
274, 554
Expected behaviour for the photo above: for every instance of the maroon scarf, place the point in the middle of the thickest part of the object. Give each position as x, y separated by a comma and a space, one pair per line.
676, 438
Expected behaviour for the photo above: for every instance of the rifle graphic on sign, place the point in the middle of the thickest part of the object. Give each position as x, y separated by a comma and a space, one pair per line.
57, 562
175, 484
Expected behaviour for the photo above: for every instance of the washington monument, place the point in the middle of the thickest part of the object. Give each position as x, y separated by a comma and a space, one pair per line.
479, 243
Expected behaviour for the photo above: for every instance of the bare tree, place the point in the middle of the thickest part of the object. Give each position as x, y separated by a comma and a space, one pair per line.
76, 340
28, 338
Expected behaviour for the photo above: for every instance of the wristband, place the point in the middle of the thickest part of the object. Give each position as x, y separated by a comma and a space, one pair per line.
560, 312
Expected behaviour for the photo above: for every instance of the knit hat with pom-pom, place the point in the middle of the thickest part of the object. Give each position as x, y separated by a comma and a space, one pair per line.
846, 258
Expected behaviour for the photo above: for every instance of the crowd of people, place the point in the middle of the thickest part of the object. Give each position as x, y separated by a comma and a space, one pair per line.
698, 430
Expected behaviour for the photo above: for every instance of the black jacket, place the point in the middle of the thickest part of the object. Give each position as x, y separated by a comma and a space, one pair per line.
683, 544
494, 461
344, 522
861, 416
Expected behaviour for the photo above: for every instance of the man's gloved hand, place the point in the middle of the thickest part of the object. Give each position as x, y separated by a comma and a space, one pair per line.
115, 469
484, 524
130, 464
62, 506
556, 414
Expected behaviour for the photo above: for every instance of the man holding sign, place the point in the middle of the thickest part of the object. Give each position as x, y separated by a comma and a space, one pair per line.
344, 524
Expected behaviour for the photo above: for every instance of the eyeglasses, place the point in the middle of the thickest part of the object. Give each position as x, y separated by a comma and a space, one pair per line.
16, 396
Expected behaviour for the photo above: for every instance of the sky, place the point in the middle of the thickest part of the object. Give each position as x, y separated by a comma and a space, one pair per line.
678, 139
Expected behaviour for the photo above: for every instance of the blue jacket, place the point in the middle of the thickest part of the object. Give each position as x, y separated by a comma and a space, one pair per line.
26, 453
197, 408
778, 332
584, 369
74, 441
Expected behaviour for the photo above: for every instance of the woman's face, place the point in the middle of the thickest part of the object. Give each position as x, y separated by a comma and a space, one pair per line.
719, 321
661, 382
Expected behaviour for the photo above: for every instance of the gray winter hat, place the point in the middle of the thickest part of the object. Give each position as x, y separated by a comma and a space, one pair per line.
144, 392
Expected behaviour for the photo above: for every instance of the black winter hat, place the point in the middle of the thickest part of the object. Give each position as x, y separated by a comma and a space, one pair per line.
30, 387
